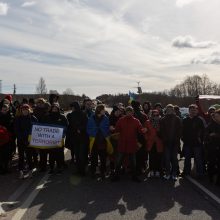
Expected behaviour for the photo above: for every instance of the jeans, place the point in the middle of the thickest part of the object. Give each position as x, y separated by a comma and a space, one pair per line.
132, 161
101, 153
170, 159
155, 159
196, 152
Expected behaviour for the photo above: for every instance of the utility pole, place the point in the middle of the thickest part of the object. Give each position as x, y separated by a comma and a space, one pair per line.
14, 89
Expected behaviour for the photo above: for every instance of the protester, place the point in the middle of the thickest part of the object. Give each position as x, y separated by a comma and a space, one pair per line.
6, 126
55, 118
147, 107
193, 138
141, 154
128, 127
98, 131
88, 107
170, 132
154, 144
23, 126
159, 108
115, 115
213, 148
76, 137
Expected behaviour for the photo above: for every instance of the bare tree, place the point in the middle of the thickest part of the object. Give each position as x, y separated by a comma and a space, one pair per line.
195, 85
68, 91
41, 87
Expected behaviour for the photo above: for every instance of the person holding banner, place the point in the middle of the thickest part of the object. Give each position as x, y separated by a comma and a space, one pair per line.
23, 126
55, 118
98, 131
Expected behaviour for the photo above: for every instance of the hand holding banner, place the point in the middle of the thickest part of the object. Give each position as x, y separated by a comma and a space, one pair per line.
46, 137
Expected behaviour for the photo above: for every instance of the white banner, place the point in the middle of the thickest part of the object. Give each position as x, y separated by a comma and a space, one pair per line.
46, 137
209, 97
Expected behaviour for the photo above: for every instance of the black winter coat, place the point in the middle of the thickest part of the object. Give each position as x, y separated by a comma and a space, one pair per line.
23, 126
76, 131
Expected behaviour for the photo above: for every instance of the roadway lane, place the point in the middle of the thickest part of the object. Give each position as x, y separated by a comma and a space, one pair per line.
66, 196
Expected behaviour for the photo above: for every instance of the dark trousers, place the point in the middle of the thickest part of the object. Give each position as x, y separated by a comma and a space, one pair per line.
141, 157
43, 159
81, 157
102, 155
195, 152
56, 155
25, 153
213, 161
155, 159
132, 163
170, 159
5, 152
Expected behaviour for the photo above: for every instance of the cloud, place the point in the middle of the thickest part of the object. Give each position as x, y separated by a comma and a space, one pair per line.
213, 58
3, 8
181, 3
28, 4
189, 42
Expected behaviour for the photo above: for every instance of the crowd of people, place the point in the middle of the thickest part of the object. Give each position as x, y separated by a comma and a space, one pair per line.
137, 139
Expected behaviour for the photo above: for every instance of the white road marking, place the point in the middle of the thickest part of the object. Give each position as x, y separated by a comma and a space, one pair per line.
205, 190
12, 200
24, 207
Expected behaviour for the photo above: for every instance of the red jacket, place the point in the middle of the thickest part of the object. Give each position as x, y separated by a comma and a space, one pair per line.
152, 138
128, 127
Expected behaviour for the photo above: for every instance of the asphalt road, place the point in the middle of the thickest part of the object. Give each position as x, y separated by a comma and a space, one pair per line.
66, 196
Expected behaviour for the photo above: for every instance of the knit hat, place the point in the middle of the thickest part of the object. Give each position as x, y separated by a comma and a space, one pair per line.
8, 97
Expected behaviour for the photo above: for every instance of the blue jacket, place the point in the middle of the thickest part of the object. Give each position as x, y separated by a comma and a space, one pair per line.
93, 128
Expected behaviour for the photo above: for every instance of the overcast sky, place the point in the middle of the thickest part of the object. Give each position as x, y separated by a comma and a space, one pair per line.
106, 46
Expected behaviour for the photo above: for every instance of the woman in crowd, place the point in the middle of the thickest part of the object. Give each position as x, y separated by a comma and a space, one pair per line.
23, 126
6, 125
154, 144
57, 154
128, 127
115, 115
98, 131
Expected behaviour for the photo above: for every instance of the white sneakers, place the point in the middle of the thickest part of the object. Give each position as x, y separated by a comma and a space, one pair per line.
151, 174
22, 176
167, 177
157, 174
154, 174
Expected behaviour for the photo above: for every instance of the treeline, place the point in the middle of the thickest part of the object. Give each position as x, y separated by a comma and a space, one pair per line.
195, 85
154, 98
182, 94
